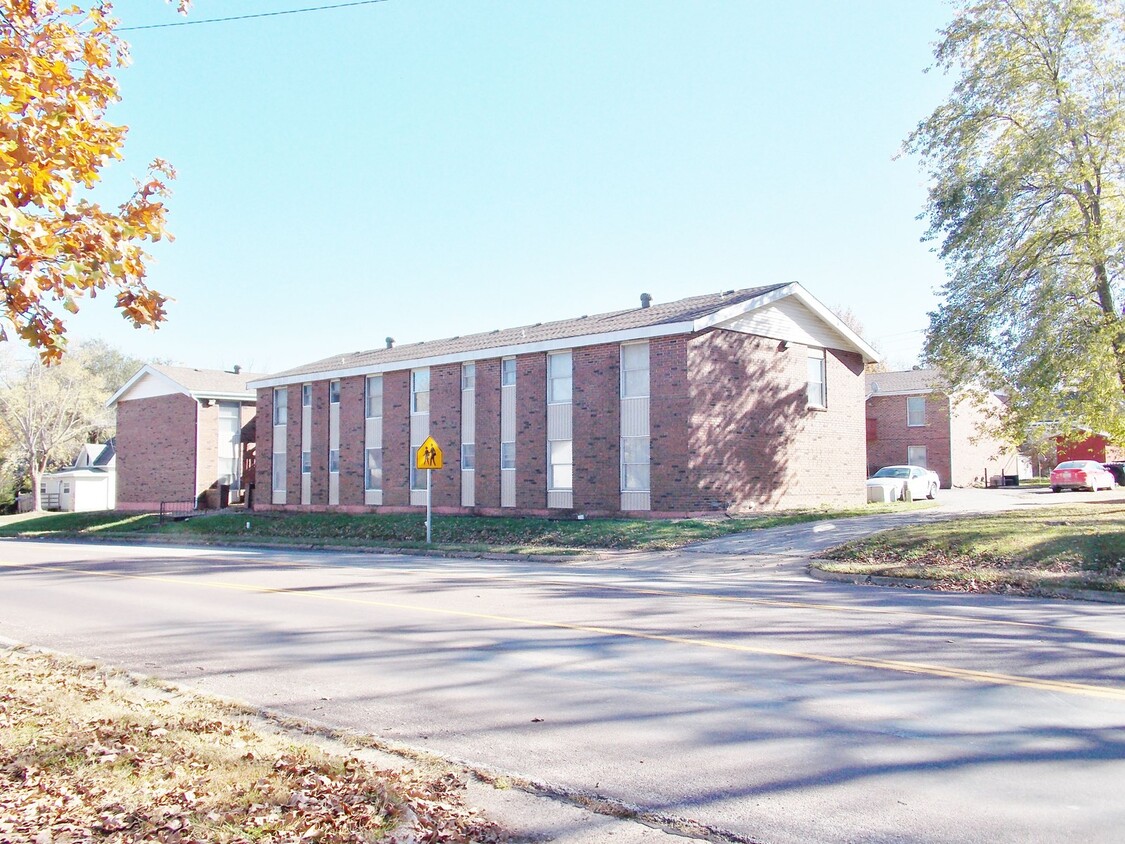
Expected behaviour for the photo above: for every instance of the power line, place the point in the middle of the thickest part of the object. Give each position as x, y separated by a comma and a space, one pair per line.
248, 17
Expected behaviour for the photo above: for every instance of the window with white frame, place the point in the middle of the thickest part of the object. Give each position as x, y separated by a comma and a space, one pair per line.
560, 464
306, 462
507, 372
916, 412
373, 469
334, 460
468, 457
560, 368
634, 370
818, 378
508, 455
468, 376
334, 392
635, 464
420, 391
280, 406
306, 395
373, 396
916, 456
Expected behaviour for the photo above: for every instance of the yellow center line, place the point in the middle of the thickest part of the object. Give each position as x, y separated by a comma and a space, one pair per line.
916, 668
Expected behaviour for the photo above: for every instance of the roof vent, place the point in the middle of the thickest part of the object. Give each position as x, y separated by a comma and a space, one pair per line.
390, 342
646, 300
236, 369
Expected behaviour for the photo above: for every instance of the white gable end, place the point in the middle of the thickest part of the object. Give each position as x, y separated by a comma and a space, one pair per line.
789, 319
150, 385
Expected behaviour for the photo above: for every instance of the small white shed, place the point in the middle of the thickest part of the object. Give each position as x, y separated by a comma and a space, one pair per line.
90, 484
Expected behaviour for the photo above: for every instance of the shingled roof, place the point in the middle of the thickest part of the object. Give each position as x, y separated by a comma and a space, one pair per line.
203, 382
197, 383
907, 381
683, 310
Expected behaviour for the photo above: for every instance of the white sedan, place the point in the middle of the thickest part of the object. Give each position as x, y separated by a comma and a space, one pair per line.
891, 483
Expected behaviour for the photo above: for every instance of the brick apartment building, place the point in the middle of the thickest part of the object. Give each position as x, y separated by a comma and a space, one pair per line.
912, 417
724, 402
182, 435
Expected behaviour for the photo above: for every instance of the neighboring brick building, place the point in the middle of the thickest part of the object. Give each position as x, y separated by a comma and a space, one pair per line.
725, 402
181, 436
913, 418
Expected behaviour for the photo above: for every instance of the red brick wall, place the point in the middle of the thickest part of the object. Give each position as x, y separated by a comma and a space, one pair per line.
487, 473
156, 451
753, 440
318, 443
670, 413
396, 438
531, 431
597, 428
893, 436
445, 428
207, 456
353, 427
263, 450
293, 445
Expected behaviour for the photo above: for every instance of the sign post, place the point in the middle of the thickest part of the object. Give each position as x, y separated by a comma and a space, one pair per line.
428, 458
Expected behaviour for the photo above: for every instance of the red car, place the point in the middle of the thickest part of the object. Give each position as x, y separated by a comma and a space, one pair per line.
1081, 474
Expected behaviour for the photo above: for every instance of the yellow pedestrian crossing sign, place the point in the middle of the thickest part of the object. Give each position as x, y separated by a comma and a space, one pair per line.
429, 455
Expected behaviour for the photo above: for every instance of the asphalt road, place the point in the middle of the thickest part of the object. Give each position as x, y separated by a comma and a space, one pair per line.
720, 685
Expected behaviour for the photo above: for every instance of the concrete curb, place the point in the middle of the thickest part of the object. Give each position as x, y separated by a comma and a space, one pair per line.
1091, 595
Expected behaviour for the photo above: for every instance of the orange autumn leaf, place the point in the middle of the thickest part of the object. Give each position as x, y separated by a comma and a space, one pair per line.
56, 244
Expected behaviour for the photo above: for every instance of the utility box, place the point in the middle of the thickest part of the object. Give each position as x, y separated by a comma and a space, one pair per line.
880, 495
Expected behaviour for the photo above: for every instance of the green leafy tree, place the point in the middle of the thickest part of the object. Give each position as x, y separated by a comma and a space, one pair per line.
58, 245
1026, 167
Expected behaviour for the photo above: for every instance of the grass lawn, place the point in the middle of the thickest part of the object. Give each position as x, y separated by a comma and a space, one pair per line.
87, 755
459, 533
1029, 551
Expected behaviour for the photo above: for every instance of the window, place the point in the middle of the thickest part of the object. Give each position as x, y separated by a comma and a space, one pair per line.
507, 455
634, 370
230, 436
373, 471
373, 396
916, 412
507, 372
280, 407
559, 377
334, 392
334, 460
634, 464
306, 462
420, 391
468, 376
279, 472
916, 456
66, 488
818, 387
417, 476
560, 464
306, 395
468, 457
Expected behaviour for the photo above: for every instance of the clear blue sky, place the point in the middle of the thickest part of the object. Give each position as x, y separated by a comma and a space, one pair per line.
429, 168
